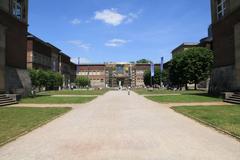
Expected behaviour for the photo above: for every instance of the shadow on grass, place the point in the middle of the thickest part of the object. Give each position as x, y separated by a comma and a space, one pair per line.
203, 95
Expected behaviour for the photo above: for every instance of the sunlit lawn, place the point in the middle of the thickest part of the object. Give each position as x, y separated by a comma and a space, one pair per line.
75, 92
185, 98
56, 100
16, 121
223, 117
143, 91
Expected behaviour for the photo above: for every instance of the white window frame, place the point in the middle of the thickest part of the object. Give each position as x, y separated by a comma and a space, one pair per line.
221, 13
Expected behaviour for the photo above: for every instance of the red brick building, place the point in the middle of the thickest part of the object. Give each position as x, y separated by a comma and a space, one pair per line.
114, 74
13, 46
226, 45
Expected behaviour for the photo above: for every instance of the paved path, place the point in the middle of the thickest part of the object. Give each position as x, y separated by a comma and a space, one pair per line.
121, 127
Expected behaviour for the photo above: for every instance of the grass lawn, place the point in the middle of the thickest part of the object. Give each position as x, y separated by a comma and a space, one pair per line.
56, 100
185, 98
143, 91
224, 117
75, 92
17, 121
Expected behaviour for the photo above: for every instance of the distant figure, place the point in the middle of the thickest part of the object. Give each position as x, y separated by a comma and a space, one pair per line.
129, 91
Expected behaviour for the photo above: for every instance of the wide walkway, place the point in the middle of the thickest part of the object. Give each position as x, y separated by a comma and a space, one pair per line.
121, 127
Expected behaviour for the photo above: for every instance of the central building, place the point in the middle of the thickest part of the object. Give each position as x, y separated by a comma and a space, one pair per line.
114, 74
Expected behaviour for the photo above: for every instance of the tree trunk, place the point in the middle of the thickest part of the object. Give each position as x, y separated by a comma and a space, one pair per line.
195, 86
186, 87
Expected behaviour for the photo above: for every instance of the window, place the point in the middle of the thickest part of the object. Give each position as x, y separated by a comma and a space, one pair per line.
17, 9
221, 8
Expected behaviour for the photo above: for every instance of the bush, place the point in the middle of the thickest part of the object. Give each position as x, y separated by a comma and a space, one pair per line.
48, 79
158, 77
82, 81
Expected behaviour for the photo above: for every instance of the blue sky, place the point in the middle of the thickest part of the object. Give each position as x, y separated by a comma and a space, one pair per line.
100, 31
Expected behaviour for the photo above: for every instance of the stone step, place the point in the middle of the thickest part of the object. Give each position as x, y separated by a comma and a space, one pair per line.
231, 101
6, 100
233, 98
7, 103
236, 96
2, 95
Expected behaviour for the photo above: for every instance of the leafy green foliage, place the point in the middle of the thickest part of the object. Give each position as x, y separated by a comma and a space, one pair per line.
158, 77
143, 61
191, 66
48, 79
82, 81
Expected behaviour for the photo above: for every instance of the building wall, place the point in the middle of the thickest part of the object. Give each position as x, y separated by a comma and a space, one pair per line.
55, 59
2, 57
15, 48
226, 31
96, 74
16, 32
102, 75
183, 47
38, 55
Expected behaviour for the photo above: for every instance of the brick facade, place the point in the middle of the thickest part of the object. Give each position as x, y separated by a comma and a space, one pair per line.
226, 42
13, 29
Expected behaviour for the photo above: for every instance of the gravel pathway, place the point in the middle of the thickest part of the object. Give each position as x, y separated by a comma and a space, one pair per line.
116, 126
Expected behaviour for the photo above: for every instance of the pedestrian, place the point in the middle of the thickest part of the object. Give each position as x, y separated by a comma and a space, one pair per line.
129, 90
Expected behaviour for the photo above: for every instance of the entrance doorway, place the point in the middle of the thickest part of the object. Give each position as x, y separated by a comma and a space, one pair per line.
2, 58
120, 82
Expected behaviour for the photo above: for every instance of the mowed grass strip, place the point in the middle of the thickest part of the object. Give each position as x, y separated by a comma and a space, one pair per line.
17, 121
226, 118
75, 92
143, 91
56, 100
188, 98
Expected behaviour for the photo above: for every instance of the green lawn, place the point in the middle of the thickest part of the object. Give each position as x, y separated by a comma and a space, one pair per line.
185, 98
75, 92
56, 100
143, 91
223, 117
17, 121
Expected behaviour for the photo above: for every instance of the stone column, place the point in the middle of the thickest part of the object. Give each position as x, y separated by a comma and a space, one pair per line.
2, 57
237, 55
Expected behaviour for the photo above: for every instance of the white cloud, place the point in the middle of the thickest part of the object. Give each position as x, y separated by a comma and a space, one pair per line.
81, 60
110, 16
116, 42
79, 44
75, 21
113, 17
132, 16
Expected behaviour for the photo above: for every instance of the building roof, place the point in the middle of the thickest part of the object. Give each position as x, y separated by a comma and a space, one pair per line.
63, 54
185, 44
31, 36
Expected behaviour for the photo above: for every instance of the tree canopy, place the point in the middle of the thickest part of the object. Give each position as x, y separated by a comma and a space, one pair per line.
82, 81
48, 79
145, 61
191, 66
158, 77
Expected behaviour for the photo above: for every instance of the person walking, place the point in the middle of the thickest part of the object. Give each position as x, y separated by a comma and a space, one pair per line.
129, 90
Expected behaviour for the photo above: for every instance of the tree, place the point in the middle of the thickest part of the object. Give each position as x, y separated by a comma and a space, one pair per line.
191, 66
82, 81
145, 61
48, 79
200, 61
158, 77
